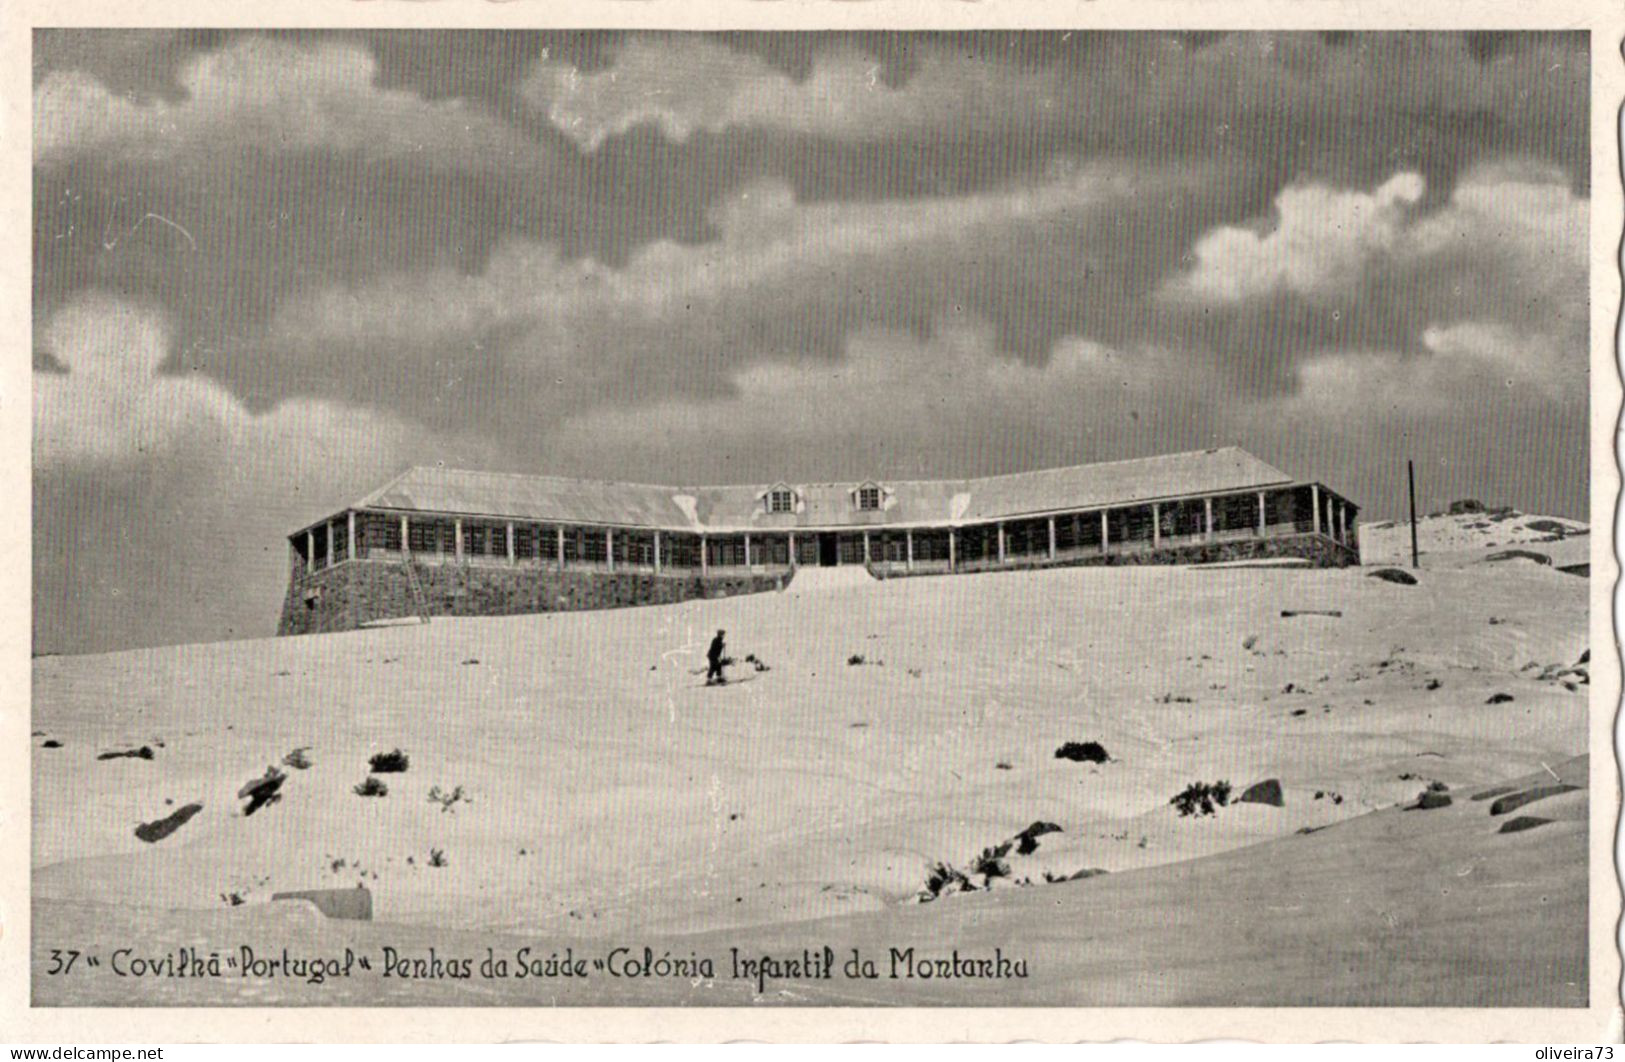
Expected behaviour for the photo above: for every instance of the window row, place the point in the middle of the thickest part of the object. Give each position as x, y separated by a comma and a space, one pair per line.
1291, 509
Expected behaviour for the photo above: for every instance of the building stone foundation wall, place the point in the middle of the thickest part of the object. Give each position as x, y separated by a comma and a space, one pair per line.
355, 593
1318, 550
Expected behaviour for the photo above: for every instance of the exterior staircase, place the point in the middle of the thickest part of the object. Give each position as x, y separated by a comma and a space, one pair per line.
841, 577
420, 600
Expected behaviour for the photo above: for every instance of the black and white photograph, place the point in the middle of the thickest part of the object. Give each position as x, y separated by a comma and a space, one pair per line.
960, 519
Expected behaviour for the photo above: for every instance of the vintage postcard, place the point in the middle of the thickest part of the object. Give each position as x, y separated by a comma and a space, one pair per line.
818, 522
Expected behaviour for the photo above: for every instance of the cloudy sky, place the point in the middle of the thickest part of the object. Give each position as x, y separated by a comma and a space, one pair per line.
273, 270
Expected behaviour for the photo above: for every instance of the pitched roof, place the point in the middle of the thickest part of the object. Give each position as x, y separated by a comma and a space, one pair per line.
554, 499
1116, 482
518, 496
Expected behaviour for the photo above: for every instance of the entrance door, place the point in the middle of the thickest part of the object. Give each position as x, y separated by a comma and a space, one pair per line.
828, 553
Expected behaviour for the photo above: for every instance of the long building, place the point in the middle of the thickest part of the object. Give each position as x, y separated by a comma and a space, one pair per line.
436, 541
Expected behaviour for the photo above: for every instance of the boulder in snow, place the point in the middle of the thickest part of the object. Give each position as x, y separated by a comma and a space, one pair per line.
352, 904
1266, 792
158, 829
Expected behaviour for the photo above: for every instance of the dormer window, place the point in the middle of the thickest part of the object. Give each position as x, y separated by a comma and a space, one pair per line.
868, 497
781, 500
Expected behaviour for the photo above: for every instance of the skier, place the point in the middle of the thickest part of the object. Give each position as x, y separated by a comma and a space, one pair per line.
714, 676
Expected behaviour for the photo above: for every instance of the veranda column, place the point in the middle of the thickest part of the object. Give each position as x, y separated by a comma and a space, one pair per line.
349, 540
1314, 498
511, 557
560, 547
310, 552
1263, 515
747, 551
457, 537
951, 544
705, 560
792, 550
908, 542
1052, 538
866, 547
1156, 525
1208, 503
331, 560
657, 552
1105, 531
1342, 523
406, 541
1001, 542
609, 547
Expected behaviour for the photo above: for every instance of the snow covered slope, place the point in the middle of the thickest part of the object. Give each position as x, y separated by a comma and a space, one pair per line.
606, 790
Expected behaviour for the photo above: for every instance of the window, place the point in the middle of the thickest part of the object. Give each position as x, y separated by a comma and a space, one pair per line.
484, 540
772, 549
680, 551
807, 550
930, 545
781, 500
593, 545
375, 531
869, 497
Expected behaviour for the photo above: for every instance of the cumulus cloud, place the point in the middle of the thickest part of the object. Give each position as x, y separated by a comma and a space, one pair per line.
894, 397
1322, 238
1514, 243
1492, 280
783, 279
1464, 367
186, 493
764, 236
687, 83
267, 94
896, 404
1119, 91
113, 407
109, 406
539, 335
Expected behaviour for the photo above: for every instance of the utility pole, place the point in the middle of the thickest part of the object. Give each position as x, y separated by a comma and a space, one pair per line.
1410, 472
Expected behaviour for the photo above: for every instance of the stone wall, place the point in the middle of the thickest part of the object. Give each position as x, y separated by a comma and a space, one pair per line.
1318, 550
359, 592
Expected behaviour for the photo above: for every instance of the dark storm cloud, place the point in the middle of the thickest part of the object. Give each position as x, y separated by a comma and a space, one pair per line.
232, 244
945, 116
569, 250
536, 334
1301, 103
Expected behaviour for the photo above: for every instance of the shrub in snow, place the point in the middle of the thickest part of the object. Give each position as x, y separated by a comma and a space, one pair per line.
1087, 752
372, 787
394, 762
1201, 798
